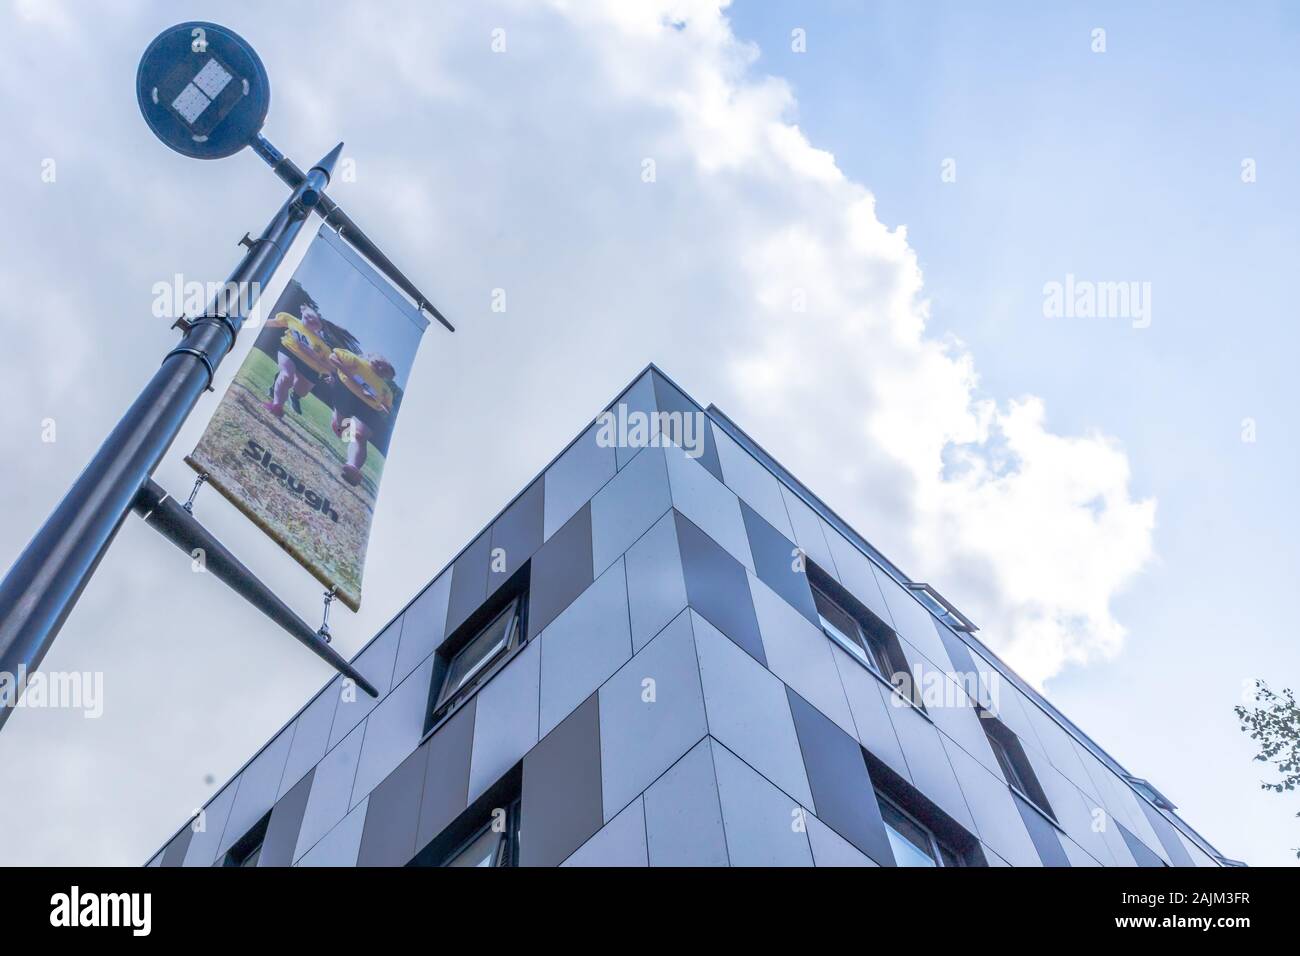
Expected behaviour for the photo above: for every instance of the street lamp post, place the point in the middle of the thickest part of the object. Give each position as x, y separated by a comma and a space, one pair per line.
204, 93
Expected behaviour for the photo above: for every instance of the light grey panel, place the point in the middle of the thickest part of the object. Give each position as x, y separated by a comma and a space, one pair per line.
1010, 704
1199, 856
857, 573
953, 712
1114, 795
339, 847
748, 711
1070, 807
203, 845
1076, 854
582, 647
627, 506
258, 786
376, 664
656, 586
683, 815
808, 531
1115, 842
831, 849
1058, 746
800, 654
423, 626
997, 821
711, 505
574, 478
393, 730
914, 623
868, 701
639, 737
505, 720
752, 482
930, 770
992, 858
331, 789
310, 738
764, 826
621, 842
1144, 831
638, 399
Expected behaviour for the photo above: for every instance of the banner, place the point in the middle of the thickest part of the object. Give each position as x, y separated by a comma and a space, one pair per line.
298, 441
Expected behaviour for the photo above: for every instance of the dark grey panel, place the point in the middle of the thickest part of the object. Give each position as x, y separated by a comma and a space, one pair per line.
392, 815
718, 588
518, 533
1144, 855
672, 399
469, 580
174, 853
1168, 836
561, 571
1044, 835
286, 820
562, 805
446, 779
774, 562
841, 786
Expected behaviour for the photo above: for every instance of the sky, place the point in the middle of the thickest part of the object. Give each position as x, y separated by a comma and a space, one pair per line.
837, 221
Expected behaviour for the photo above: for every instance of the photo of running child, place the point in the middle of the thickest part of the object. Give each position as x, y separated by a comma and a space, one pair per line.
300, 439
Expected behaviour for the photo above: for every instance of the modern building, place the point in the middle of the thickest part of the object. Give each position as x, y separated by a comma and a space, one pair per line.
675, 654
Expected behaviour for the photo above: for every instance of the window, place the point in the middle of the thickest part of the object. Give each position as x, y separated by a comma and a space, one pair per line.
494, 844
466, 667
247, 850
1015, 763
484, 834
859, 632
913, 843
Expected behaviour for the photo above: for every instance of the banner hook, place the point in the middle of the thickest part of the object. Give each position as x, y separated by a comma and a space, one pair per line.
198, 483
324, 632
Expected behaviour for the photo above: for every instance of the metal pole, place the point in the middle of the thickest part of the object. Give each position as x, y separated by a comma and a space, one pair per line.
43, 585
179, 526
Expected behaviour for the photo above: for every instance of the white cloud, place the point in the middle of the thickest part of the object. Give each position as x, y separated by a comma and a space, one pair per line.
520, 171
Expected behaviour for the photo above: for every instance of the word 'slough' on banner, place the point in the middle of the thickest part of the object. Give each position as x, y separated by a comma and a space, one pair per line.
299, 440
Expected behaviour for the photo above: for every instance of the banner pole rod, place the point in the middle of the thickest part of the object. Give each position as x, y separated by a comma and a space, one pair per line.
44, 583
175, 522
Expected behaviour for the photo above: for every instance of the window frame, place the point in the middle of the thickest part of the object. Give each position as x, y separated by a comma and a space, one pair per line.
506, 852
247, 850
1015, 766
875, 648
447, 699
940, 852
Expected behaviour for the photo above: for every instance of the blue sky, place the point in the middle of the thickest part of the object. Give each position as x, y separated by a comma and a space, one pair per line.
1122, 165
1078, 486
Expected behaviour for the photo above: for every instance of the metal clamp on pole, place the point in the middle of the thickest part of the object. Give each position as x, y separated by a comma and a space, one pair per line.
201, 356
